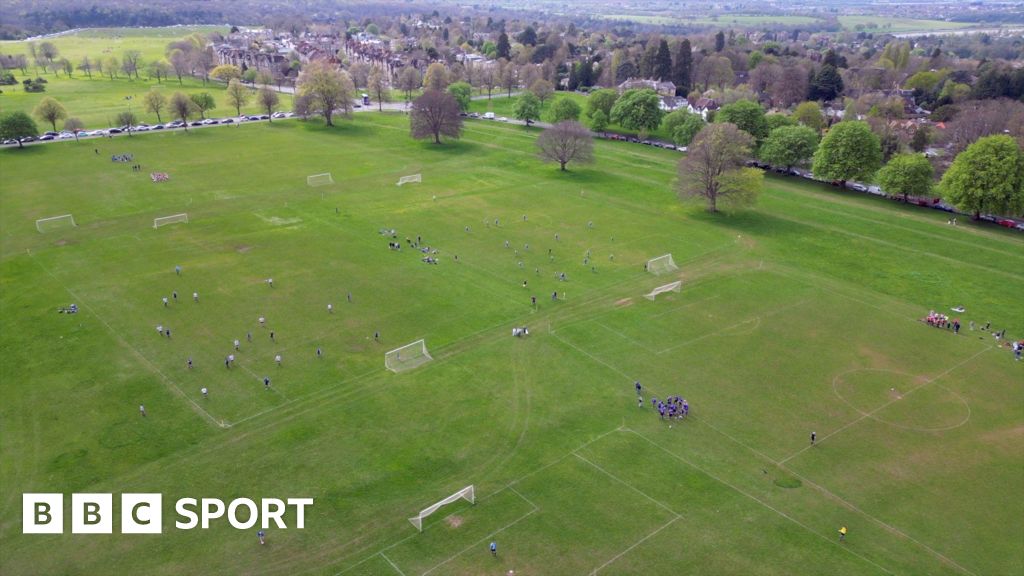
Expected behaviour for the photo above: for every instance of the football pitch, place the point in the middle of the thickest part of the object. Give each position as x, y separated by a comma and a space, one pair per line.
799, 315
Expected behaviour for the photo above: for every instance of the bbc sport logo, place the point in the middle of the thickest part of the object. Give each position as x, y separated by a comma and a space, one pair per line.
142, 513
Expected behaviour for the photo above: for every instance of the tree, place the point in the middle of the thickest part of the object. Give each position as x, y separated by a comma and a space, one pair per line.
330, 88
850, 151
360, 73
528, 36
719, 41
638, 110
127, 118
543, 90
409, 80
715, 71
226, 73
921, 138
74, 125
827, 84
682, 68
435, 114
131, 61
566, 141
159, 69
675, 119
237, 95
713, 168
684, 133
50, 110
155, 102
527, 107
503, 49
987, 177
509, 77
85, 65
302, 106
778, 121
747, 116
663, 62
183, 108
463, 94
17, 126
907, 174
377, 84
602, 100
179, 61
791, 87
565, 109
204, 103
111, 65
599, 121
48, 51
809, 114
268, 100
789, 145
436, 77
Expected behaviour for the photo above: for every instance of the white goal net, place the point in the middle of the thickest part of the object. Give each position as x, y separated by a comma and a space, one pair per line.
466, 493
54, 222
673, 287
661, 265
175, 219
408, 179
320, 179
407, 357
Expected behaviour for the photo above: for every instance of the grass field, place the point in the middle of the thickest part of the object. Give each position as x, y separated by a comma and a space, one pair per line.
98, 101
798, 315
900, 25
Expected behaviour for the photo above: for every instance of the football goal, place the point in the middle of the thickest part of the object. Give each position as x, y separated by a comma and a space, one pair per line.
673, 287
175, 219
661, 265
408, 179
407, 357
320, 179
466, 493
54, 222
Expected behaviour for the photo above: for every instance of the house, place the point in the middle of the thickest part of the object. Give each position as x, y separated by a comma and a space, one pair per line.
702, 106
670, 103
662, 88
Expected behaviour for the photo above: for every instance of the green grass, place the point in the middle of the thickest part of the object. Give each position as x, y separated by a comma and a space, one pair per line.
104, 42
98, 101
899, 25
798, 315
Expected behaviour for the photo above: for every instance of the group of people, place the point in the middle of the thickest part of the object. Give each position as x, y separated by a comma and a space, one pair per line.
674, 407
69, 309
942, 321
121, 157
159, 176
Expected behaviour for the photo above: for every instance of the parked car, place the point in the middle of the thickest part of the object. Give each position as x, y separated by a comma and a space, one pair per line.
474, 115
175, 124
1007, 223
502, 119
227, 121
9, 141
49, 133
66, 135
196, 123
857, 186
141, 128
46, 137
209, 121
264, 117
488, 115
114, 131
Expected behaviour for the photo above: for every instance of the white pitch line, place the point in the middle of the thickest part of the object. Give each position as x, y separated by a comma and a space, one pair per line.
659, 503
480, 541
635, 544
393, 565
866, 415
761, 502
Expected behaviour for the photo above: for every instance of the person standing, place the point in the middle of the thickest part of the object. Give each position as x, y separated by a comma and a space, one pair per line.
814, 436
142, 410
262, 536
494, 549
842, 533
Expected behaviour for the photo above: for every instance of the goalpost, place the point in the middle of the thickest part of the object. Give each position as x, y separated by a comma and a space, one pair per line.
466, 493
408, 179
175, 219
407, 357
44, 224
319, 179
672, 287
661, 265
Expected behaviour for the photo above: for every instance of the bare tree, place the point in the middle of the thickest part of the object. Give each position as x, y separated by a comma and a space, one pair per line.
180, 62
360, 73
714, 167
409, 79
435, 114
488, 79
238, 95
183, 108
790, 87
543, 90
155, 102
131, 61
567, 141
377, 84
268, 100
86, 66
74, 125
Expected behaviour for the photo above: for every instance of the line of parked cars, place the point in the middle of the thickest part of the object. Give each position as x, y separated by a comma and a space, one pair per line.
47, 136
935, 203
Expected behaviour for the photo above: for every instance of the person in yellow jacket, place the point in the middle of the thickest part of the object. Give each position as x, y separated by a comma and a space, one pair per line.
842, 533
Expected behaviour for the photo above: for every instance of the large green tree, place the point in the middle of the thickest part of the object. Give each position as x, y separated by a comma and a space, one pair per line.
17, 126
663, 62
682, 68
809, 114
503, 49
527, 107
463, 94
204, 102
603, 100
638, 110
564, 109
826, 84
789, 145
987, 177
907, 175
850, 151
330, 89
747, 116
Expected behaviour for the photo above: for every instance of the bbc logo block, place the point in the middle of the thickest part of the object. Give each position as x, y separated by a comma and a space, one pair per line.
91, 513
